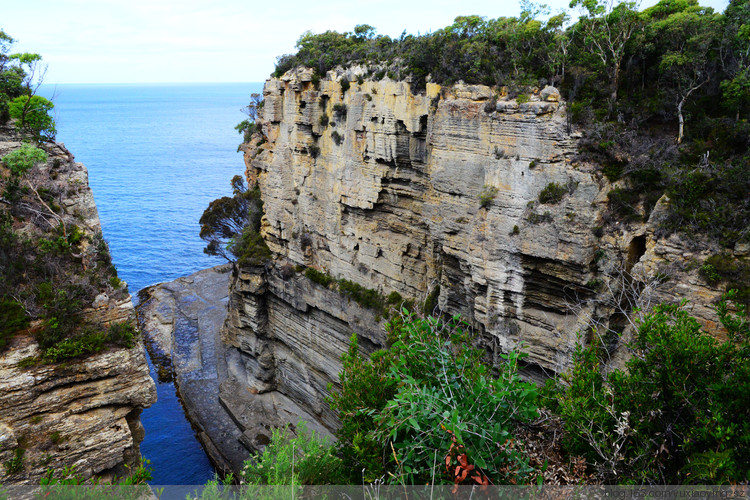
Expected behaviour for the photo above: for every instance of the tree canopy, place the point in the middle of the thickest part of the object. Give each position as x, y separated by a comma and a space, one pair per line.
20, 77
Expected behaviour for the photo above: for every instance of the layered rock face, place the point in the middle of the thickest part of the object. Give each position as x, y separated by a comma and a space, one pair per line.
84, 412
458, 192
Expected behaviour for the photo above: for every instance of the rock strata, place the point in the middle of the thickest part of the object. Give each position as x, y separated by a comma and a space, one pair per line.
457, 192
84, 412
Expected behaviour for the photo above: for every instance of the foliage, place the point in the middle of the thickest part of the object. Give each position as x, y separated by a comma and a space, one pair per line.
487, 194
337, 138
69, 484
678, 413
319, 277
32, 115
13, 318
248, 126
366, 297
734, 271
406, 409
90, 341
290, 459
250, 248
552, 193
431, 301
231, 225
21, 160
15, 464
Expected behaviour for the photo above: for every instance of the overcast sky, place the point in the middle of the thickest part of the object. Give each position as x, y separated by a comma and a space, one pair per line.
133, 41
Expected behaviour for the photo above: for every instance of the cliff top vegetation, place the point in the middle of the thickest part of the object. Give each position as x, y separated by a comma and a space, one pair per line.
662, 96
20, 77
52, 263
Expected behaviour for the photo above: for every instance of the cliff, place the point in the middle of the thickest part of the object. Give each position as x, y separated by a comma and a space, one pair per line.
459, 194
82, 411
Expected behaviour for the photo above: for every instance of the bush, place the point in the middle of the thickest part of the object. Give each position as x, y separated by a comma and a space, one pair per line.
366, 297
339, 109
294, 460
344, 85
679, 412
318, 277
23, 159
90, 341
487, 194
430, 396
324, 120
552, 193
32, 115
337, 138
250, 248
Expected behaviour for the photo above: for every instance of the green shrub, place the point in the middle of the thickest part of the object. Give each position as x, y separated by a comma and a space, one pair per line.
122, 334
56, 437
90, 341
487, 194
623, 203
319, 277
250, 248
522, 98
15, 464
339, 109
366, 297
431, 302
313, 151
23, 159
32, 115
679, 412
337, 138
345, 85
324, 120
425, 397
552, 193
294, 460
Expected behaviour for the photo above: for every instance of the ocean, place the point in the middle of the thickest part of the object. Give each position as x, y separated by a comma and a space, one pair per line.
156, 154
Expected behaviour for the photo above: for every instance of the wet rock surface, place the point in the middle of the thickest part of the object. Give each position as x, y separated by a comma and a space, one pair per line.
181, 321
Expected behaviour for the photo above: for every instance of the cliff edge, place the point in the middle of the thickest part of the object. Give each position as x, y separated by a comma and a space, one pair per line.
73, 378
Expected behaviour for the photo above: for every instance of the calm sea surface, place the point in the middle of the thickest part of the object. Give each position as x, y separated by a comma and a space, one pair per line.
157, 154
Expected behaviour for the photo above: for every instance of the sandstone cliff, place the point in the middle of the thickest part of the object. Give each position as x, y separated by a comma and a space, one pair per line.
434, 194
84, 412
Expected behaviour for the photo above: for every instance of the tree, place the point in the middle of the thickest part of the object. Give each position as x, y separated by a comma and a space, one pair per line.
32, 115
247, 127
735, 57
606, 29
679, 412
687, 36
225, 221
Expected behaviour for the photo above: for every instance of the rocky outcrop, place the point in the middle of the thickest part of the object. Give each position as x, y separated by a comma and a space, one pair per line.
460, 192
84, 412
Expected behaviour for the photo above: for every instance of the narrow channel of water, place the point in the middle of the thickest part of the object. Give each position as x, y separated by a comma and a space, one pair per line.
157, 154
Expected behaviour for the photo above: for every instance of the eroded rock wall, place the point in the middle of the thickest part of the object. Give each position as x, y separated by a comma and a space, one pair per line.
84, 412
408, 192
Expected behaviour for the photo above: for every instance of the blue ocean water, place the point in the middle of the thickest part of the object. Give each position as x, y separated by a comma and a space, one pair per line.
157, 154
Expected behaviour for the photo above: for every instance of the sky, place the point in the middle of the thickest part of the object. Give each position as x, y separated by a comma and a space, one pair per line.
151, 41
